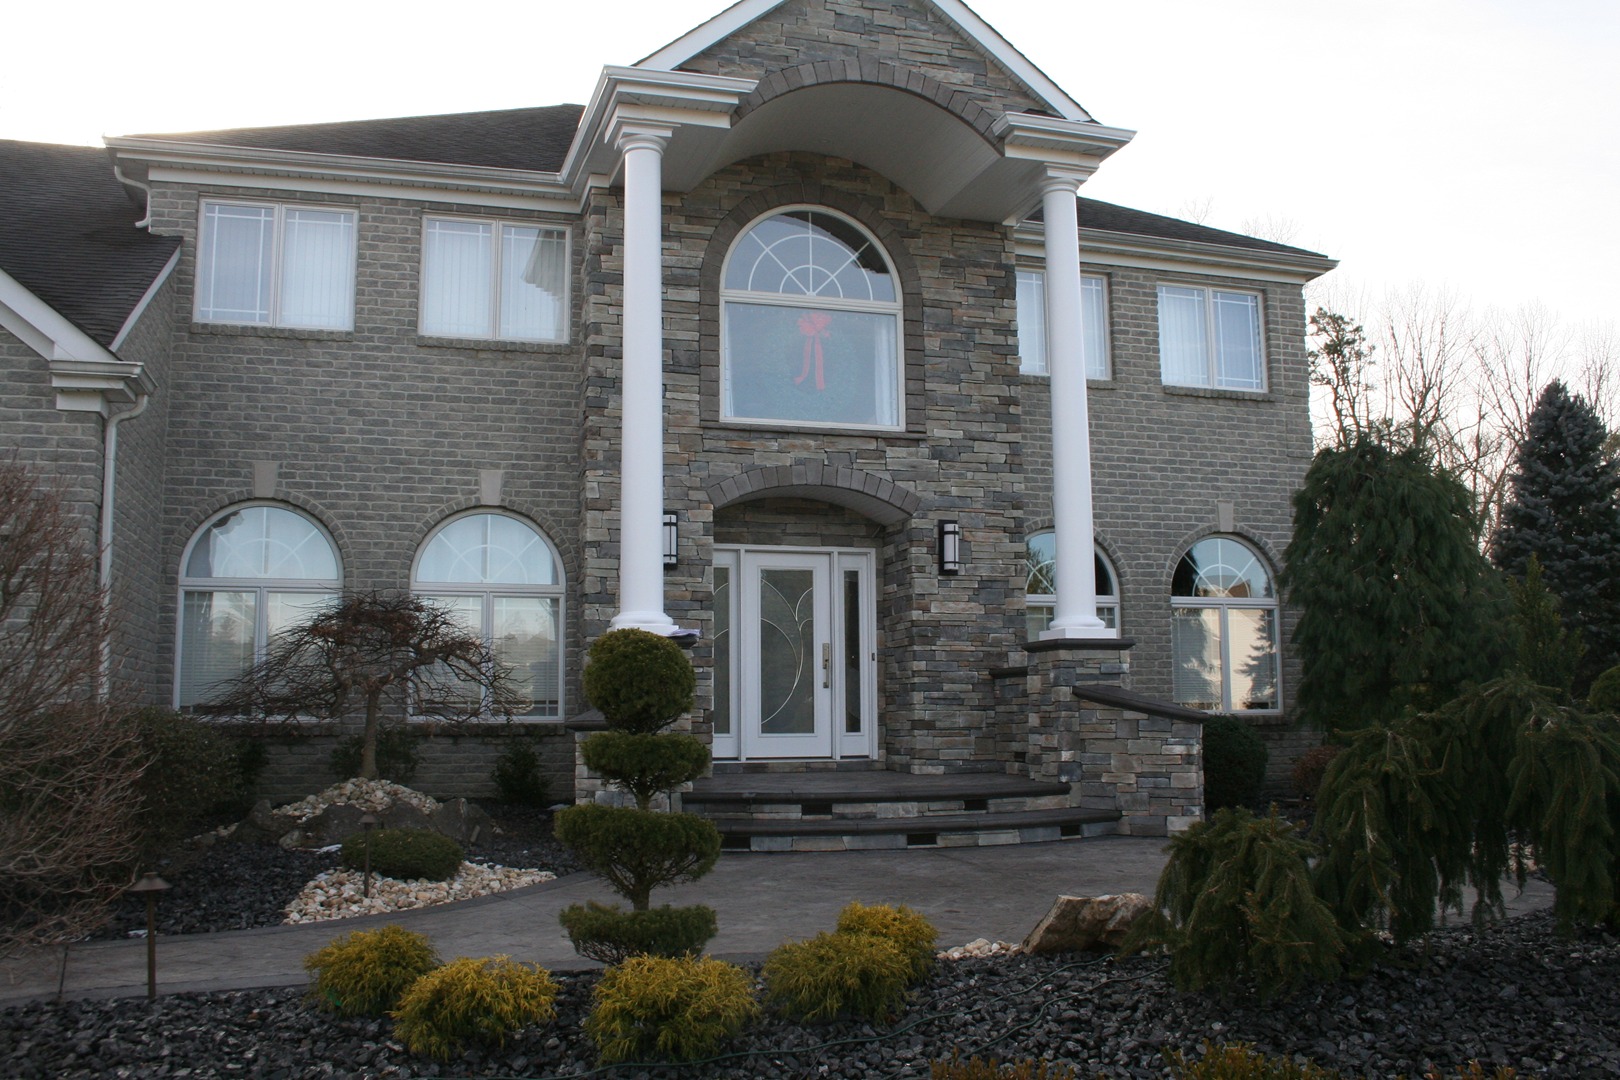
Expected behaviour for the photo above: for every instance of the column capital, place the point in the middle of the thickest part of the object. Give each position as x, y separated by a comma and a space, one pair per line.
1063, 178
626, 135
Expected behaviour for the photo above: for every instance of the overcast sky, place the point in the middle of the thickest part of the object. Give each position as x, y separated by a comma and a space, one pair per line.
1473, 144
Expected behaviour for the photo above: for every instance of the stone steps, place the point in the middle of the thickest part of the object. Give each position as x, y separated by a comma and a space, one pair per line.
877, 810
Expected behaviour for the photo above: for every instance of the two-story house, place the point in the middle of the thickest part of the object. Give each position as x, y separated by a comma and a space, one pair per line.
797, 336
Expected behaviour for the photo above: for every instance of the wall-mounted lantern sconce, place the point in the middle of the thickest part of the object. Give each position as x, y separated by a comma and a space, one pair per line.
671, 541
950, 547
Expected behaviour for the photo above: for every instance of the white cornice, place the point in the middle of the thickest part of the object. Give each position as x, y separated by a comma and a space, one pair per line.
86, 376
981, 33
675, 100
1182, 256
1083, 144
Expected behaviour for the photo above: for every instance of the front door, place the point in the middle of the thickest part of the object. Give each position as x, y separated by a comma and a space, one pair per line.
794, 653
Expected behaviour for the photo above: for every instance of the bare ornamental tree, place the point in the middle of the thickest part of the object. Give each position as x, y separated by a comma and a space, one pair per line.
68, 766
381, 656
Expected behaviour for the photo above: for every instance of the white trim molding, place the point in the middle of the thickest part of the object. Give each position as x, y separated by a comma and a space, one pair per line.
86, 376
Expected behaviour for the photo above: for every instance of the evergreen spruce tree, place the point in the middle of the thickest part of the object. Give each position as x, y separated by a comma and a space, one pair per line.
1564, 509
1398, 608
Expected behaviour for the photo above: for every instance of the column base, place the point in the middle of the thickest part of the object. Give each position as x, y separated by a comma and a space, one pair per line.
654, 622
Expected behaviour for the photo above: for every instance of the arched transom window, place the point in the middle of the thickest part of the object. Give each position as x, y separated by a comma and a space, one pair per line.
811, 324
1040, 587
1223, 629
502, 580
248, 574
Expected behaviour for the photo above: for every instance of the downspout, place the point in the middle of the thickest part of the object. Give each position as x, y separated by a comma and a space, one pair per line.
109, 476
118, 173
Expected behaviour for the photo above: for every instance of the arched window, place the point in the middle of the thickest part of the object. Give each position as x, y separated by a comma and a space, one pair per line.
247, 574
503, 581
1040, 588
811, 324
1223, 629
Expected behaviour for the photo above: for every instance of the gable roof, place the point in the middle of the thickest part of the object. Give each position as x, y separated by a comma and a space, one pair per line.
68, 235
532, 139
964, 18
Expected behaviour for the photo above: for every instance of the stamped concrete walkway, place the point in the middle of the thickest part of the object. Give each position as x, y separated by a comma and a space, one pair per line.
761, 900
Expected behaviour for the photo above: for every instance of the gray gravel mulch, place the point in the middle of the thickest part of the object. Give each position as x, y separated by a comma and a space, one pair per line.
1511, 994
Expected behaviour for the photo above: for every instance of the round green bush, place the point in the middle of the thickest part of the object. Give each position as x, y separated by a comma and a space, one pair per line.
365, 973
470, 1000
645, 765
636, 851
913, 934
679, 1009
1234, 764
406, 854
834, 974
1604, 696
608, 934
641, 682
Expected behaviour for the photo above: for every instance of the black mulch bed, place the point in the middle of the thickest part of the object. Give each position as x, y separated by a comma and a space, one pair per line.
240, 886
1512, 994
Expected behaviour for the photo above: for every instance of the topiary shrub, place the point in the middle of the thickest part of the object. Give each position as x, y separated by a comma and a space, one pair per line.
1309, 768
471, 1000
406, 854
834, 974
908, 930
678, 1009
1236, 901
605, 933
645, 765
1234, 764
365, 973
1238, 1061
976, 1068
398, 755
517, 775
641, 682
636, 851
1604, 697
192, 772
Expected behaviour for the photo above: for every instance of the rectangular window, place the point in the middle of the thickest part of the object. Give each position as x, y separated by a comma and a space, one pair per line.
1211, 338
275, 265
494, 280
1032, 324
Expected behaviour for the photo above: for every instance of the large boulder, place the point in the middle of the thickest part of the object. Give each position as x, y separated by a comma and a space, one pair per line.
1087, 923
462, 822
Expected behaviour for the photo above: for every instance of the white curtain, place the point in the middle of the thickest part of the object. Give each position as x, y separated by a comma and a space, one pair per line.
216, 641
1032, 322
317, 269
1094, 327
1183, 344
1237, 337
233, 264
456, 270
533, 283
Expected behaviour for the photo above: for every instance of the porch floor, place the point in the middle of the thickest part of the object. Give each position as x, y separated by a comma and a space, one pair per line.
872, 785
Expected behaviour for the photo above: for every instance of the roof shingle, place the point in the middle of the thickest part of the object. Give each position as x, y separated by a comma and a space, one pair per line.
67, 234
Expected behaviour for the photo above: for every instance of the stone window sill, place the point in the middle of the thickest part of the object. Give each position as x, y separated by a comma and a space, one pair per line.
255, 330
788, 429
428, 341
1216, 392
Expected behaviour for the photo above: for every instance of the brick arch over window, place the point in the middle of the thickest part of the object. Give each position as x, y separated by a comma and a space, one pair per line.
811, 193
884, 501
876, 73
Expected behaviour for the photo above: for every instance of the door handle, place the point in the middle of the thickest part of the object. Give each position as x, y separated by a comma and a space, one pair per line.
826, 664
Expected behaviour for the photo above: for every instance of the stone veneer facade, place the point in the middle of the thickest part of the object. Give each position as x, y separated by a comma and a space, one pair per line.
380, 433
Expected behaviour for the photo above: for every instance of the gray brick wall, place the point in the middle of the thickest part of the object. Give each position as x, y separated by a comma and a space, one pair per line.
61, 449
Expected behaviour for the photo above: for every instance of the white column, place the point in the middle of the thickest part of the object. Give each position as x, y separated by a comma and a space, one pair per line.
641, 440
1075, 613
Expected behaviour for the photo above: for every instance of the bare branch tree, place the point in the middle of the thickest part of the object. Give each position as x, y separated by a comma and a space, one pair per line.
68, 766
381, 656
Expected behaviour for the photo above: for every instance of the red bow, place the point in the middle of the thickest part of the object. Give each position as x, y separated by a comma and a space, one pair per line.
814, 328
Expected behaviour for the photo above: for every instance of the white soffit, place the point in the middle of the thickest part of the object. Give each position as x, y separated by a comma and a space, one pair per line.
981, 33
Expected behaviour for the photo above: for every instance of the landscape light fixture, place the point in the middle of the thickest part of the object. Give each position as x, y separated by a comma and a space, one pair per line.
671, 541
368, 822
150, 886
950, 547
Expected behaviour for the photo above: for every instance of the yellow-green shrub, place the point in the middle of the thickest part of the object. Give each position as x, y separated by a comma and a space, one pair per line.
679, 1009
473, 1000
366, 972
838, 973
978, 1069
913, 934
1239, 1061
